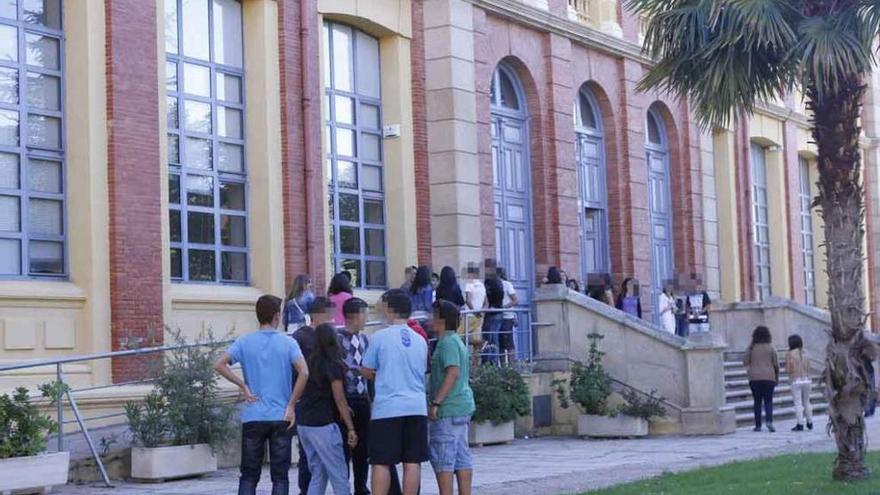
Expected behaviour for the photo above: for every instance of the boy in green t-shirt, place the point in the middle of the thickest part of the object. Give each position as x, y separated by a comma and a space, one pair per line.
452, 403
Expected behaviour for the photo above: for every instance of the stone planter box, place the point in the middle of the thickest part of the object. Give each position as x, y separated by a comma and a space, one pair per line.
488, 433
37, 473
619, 426
164, 463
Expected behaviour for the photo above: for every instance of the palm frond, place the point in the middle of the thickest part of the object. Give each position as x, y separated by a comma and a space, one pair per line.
833, 48
723, 55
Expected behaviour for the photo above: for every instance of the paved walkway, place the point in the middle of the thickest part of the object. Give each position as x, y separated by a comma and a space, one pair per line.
551, 466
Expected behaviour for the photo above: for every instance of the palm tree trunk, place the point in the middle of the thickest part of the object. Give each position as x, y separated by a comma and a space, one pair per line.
841, 200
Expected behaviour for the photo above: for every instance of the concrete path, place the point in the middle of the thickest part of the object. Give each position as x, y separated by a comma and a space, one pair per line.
551, 466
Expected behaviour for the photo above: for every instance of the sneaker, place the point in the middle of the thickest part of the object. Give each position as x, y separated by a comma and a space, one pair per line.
757, 428
810, 426
798, 428
771, 429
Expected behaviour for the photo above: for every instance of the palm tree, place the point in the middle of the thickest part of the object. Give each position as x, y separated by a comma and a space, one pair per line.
725, 56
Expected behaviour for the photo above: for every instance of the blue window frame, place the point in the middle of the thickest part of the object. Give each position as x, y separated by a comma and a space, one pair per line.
206, 146
805, 199
760, 221
33, 222
352, 105
592, 189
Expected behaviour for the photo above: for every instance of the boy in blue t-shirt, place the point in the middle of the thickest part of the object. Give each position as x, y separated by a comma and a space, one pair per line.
397, 359
266, 356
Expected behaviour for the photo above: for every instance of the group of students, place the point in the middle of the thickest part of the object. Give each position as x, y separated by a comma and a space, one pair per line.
491, 323
682, 312
367, 401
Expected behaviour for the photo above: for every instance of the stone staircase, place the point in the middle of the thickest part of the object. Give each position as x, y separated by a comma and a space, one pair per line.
739, 396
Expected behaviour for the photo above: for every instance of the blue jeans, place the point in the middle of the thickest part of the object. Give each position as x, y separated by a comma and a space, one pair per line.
491, 334
254, 435
326, 456
449, 444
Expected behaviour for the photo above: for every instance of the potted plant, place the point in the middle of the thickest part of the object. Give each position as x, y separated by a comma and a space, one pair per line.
590, 388
645, 407
183, 421
501, 395
25, 466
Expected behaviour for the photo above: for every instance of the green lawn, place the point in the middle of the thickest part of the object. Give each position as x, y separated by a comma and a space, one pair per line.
804, 474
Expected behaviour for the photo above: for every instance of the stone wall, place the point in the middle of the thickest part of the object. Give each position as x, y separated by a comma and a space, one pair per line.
688, 374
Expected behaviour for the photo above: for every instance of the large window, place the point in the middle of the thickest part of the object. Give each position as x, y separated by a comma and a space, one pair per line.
206, 147
32, 214
593, 196
806, 198
352, 104
760, 221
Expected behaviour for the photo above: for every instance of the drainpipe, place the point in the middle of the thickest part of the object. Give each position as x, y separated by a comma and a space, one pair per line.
307, 18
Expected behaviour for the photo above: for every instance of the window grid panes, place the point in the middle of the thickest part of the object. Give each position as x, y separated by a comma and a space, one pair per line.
806, 198
32, 185
760, 220
355, 173
206, 144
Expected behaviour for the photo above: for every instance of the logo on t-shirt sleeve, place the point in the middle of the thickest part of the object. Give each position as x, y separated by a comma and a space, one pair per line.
405, 337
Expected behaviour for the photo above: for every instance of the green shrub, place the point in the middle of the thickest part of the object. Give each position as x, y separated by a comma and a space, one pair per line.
642, 407
590, 385
23, 430
185, 408
500, 393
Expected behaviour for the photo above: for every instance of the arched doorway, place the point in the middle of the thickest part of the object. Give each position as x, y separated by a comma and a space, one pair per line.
660, 205
512, 197
592, 188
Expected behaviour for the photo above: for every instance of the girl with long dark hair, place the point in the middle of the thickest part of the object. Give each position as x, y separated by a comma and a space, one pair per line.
448, 289
299, 303
628, 301
797, 365
762, 366
322, 400
421, 295
339, 292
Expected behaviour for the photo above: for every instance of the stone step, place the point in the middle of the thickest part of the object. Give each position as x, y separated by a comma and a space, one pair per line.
778, 399
748, 417
783, 388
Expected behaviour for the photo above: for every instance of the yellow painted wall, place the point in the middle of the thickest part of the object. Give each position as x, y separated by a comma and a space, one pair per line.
724, 144
48, 318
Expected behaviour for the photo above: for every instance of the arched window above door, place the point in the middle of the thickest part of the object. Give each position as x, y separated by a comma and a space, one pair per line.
503, 92
586, 111
656, 135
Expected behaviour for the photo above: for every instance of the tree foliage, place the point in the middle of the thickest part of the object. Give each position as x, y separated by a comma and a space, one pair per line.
23, 428
500, 393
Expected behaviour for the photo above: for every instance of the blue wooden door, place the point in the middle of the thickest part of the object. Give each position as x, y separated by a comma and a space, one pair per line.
660, 209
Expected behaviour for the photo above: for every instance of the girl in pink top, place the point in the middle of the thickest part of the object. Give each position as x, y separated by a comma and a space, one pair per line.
339, 292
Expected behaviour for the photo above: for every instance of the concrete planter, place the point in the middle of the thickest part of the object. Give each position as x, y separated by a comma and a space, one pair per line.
163, 463
37, 473
611, 427
488, 433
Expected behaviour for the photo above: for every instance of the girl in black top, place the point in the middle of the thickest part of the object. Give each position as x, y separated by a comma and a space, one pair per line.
322, 400
448, 289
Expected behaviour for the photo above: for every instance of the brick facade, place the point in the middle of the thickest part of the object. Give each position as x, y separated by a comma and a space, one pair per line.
133, 175
302, 170
420, 134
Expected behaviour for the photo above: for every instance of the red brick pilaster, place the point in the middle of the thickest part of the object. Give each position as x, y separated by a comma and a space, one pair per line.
302, 171
133, 176
420, 134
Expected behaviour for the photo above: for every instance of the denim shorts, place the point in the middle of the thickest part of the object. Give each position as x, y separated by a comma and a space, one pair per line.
449, 444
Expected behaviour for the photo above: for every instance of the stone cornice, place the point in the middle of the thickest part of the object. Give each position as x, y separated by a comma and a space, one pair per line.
530, 16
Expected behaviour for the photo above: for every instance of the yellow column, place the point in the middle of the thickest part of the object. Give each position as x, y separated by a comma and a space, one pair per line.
400, 195
728, 235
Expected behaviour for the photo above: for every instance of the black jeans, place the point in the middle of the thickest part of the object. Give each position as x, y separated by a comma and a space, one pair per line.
762, 393
254, 435
358, 457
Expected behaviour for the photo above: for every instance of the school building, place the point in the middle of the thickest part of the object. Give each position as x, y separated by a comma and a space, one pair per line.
165, 162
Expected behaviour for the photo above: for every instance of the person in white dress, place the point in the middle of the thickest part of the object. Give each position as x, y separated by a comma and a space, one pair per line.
666, 304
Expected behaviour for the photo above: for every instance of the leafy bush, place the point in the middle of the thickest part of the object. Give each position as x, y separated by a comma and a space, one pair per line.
185, 408
642, 407
500, 393
23, 430
590, 385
